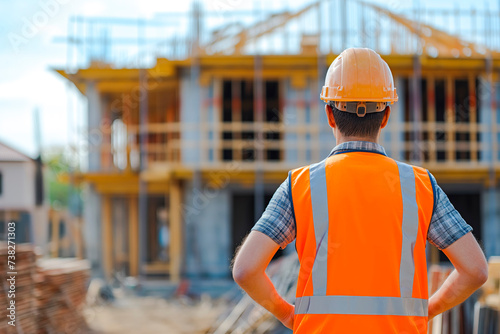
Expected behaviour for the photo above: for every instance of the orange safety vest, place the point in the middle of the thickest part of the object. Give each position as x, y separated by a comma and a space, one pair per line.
362, 221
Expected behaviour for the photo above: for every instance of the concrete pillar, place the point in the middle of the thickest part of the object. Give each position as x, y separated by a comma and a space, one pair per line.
215, 119
215, 233
491, 221
92, 228
290, 119
190, 119
326, 138
486, 117
489, 141
176, 242
190, 214
94, 137
394, 135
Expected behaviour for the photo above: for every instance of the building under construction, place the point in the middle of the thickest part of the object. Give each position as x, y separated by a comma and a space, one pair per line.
194, 119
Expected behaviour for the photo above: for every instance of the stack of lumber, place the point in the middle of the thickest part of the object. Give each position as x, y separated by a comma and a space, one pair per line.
248, 317
61, 286
25, 301
49, 294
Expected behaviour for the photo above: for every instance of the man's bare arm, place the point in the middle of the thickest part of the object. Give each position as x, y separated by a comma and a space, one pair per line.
249, 268
471, 271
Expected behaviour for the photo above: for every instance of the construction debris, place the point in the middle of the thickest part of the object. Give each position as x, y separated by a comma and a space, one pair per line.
49, 293
132, 314
248, 317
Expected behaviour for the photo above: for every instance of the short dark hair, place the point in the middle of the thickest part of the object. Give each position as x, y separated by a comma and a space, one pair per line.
350, 124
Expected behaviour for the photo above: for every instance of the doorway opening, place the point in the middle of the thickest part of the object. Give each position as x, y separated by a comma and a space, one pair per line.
469, 206
243, 218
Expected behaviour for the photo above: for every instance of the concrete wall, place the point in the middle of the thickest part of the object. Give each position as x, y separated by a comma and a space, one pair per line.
18, 188
207, 228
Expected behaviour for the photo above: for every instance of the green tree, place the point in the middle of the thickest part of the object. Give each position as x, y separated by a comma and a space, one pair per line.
57, 174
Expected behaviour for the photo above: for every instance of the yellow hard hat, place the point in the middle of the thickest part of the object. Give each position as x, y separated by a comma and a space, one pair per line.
359, 75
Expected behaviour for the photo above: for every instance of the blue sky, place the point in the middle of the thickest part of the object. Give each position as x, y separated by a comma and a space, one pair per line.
27, 50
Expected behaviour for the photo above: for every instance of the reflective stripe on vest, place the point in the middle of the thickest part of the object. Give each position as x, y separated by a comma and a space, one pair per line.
320, 303
409, 228
361, 305
319, 201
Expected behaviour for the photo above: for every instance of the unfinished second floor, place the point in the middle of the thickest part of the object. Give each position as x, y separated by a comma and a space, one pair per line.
264, 113
225, 88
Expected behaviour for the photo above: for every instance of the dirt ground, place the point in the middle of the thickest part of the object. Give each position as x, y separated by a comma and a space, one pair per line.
151, 315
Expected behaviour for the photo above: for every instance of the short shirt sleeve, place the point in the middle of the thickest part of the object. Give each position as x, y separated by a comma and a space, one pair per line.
447, 225
277, 221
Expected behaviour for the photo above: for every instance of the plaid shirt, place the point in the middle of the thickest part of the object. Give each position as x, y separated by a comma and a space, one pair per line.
278, 221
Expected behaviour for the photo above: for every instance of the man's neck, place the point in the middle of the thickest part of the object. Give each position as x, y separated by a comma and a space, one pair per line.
343, 139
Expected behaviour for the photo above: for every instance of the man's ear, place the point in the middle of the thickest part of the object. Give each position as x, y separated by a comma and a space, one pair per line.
385, 120
329, 115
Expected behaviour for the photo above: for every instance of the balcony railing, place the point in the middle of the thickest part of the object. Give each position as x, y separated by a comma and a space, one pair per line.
278, 146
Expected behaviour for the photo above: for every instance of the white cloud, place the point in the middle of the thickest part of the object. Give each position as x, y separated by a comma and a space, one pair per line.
18, 99
92, 8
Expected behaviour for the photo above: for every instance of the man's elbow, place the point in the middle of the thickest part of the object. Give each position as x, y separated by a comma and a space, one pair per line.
481, 275
478, 275
238, 275
242, 274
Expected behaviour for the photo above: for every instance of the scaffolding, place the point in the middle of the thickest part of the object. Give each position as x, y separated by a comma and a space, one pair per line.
185, 96
138, 43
